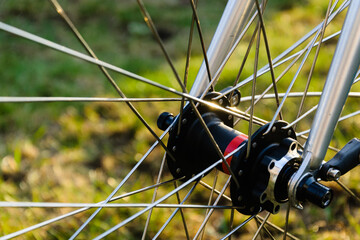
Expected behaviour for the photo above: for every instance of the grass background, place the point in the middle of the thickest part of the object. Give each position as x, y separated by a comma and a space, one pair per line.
80, 152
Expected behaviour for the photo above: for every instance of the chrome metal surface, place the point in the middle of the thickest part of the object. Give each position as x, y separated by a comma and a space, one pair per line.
233, 21
341, 75
275, 169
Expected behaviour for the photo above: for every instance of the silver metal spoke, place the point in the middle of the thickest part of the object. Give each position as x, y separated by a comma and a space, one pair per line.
197, 176
266, 68
309, 48
287, 220
118, 187
207, 186
238, 227
176, 211
314, 61
253, 91
261, 226
71, 52
268, 54
106, 205
81, 99
210, 199
348, 190
278, 228
340, 119
211, 211
50, 221
201, 38
154, 197
293, 95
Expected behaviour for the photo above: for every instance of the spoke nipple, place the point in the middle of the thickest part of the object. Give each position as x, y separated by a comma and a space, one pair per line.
221, 101
230, 117
174, 148
178, 170
333, 174
273, 129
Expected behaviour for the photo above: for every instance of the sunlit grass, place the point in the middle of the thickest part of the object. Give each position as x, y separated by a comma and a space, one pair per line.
80, 152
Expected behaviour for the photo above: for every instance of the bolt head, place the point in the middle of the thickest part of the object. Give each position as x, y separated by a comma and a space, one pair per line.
221, 101
174, 148
333, 174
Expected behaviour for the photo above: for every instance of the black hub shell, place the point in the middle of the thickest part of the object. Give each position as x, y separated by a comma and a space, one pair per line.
192, 149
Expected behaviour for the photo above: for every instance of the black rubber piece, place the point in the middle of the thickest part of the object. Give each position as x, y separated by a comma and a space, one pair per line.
165, 120
344, 161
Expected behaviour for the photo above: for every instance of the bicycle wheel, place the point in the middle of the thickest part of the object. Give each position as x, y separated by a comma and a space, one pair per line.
79, 155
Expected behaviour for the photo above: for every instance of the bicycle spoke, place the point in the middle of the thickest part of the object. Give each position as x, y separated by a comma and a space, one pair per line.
50, 221
287, 220
266, 68
158, 201
113, 192
106, 205
261, 226
210, 199
176, 211
201, 39
253, 91
207, 186
154, 197
348, 190
81, 99
238, 227
211, 211
322, 32
262, 25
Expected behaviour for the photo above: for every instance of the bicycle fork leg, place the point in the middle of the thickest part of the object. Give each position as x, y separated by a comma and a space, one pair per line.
340, 78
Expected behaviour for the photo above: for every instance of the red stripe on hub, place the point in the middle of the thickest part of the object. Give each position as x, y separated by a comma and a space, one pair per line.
234, 144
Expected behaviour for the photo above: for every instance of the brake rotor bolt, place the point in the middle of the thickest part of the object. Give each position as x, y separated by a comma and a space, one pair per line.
178, 170
174, 148
273, 129
221, 101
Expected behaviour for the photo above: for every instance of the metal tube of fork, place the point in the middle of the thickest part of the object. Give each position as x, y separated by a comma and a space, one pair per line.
232, 23
341, 75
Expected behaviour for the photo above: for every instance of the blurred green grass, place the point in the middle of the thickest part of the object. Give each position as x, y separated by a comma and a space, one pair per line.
80, 152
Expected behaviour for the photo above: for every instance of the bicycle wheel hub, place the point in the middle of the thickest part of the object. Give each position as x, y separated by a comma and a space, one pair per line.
262, 171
